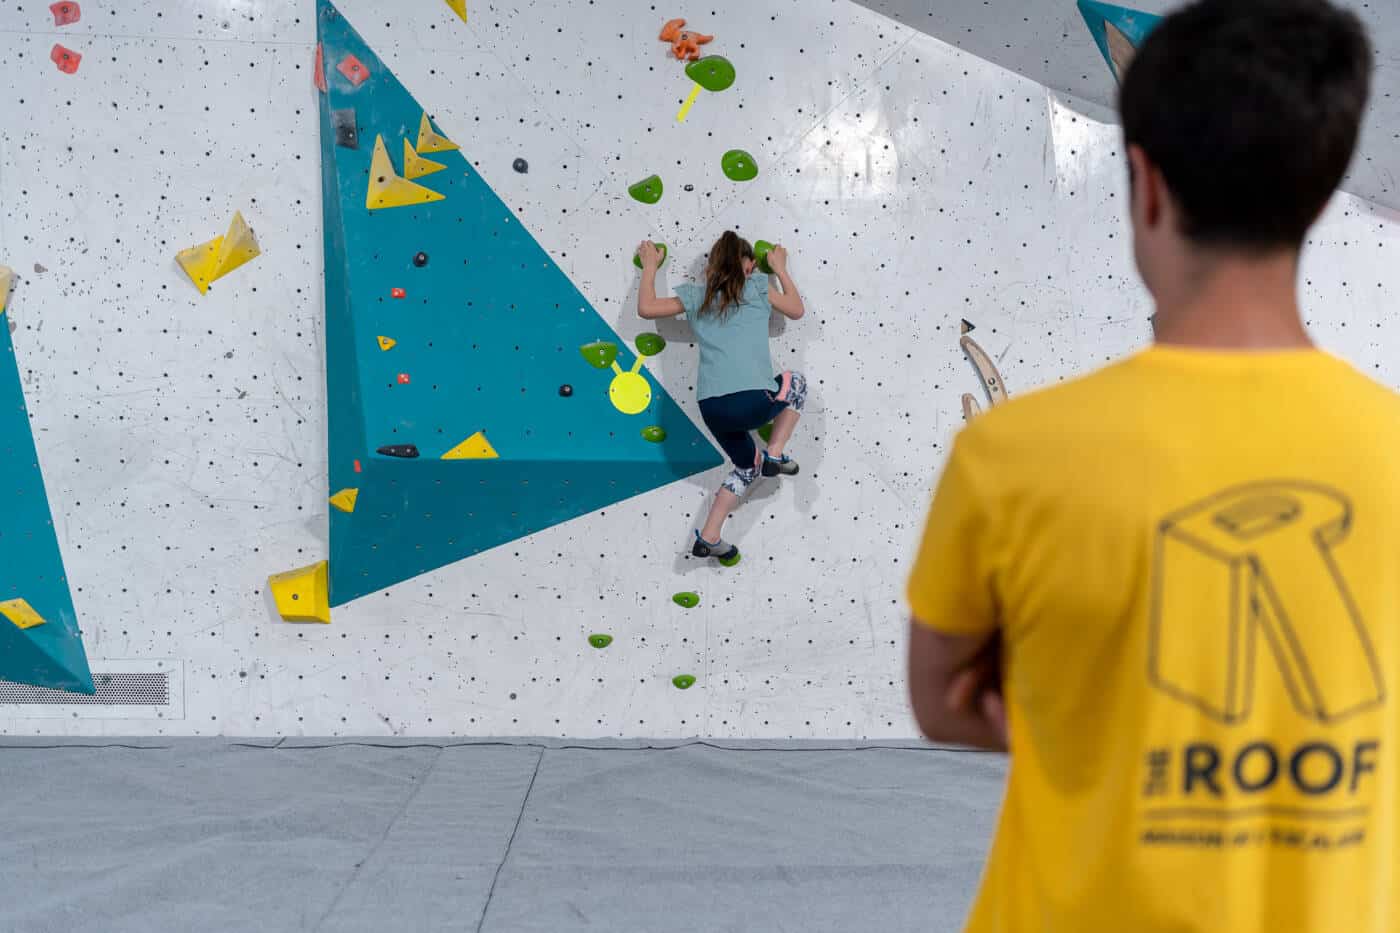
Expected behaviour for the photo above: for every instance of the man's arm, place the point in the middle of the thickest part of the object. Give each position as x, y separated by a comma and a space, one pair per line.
955, 685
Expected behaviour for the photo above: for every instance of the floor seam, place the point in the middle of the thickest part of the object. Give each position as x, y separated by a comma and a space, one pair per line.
510, 843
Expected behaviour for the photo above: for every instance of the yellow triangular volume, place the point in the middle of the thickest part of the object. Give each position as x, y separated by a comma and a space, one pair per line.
197, 261
431, 141
345, 499
387, 343
7, 278
20, 613
459, 7
215, 259
302, 595
415, 166
387, 189
476, 447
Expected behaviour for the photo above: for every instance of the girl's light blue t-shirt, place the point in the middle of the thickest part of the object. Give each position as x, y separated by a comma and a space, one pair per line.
734, 353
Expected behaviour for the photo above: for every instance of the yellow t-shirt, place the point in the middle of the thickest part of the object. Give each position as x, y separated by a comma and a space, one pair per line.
1194, 559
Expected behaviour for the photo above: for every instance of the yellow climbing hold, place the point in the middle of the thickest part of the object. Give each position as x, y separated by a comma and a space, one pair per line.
20, 613
387, 188
459, 7
302, 595
387, 343
629, 392
476, 447
415, 166
7, 278
215, 259
345, 499
430, 140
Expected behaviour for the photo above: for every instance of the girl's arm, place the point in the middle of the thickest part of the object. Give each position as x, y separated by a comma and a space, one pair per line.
649, 306
788, 301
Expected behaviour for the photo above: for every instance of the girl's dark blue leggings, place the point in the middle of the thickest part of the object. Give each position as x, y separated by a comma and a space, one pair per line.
731, 418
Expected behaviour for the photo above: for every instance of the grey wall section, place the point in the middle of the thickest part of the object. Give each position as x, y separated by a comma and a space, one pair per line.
1046, 41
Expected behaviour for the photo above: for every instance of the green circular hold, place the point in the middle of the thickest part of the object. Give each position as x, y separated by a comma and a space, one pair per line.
738, 165
600, 641
654, 433
637, 260
648, 190
650, 344
761, 249
686, 600
713, 72
600, 354
731, 561
683, 681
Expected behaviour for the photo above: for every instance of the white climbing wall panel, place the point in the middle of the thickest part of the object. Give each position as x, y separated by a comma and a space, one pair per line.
183, 438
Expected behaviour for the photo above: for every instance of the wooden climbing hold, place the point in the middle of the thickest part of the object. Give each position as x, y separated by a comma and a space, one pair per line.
345, 499
21, 613
354, 70
65, 12
986, 370
66, 59
302, 595
967, 326
476, 447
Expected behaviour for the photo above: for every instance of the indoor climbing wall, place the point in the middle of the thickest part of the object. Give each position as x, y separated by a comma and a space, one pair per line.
184, 434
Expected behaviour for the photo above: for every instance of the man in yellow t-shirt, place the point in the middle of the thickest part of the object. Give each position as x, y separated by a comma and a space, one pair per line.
1172, 588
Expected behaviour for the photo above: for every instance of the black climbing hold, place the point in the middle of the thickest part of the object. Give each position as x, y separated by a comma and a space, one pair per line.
406, 451
347, 131
566, 390
521, 166
967, 325
420, 260
689, 187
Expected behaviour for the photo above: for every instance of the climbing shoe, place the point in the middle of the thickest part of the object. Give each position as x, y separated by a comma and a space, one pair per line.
783, 466
722, 551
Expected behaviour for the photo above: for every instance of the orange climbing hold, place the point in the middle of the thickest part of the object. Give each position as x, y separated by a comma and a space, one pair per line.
403, 379
66, 59
65, 13
354, 70
684, 43
397, 293
319, 77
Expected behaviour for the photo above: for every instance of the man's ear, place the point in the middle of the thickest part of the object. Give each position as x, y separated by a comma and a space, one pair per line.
1147, 186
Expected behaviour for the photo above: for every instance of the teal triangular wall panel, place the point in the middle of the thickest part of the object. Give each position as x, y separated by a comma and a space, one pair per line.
1118, 31
486, 330
31, 565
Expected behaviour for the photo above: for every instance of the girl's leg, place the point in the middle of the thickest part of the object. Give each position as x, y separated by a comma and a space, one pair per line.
725, 502
783, 426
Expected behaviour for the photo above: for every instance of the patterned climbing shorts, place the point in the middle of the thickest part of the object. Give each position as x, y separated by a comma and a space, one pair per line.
738, 481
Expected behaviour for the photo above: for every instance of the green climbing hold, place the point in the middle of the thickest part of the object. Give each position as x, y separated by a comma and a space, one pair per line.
654, 433
600, 354
600, 641
650, 344
760, 256
713, 72
683, 681
731, 561
648, 190
637, 260
738, 165
766, 432
686, 600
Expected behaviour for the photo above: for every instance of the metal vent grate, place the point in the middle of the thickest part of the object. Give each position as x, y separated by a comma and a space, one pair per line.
144, 688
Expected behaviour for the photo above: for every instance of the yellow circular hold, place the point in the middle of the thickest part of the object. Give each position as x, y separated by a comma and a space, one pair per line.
630, 393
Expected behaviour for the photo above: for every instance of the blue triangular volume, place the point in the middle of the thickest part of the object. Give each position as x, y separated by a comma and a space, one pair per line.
1118, 31
486, 337
31, 565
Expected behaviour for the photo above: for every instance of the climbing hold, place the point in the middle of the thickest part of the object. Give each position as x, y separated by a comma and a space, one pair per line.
7, 278
686, 600
654, 433
476, 447
397, 293
685, 43
738, 165
648, 190
302, 595
766, 432
630, 393
65, 13
403, 379
967, 326
689, 188
600, 354
403, 451
354, 70
566, 390
345, 499
650, 344
431, 141
637, 259
387, 188
67, 60
217, 258
387, 343
459, 7
318, 76
347, 131
358, 468
760, 256
731, 560
600, 641
713, 72
521, 166
683, 681
420, 259
415, 166
21, 613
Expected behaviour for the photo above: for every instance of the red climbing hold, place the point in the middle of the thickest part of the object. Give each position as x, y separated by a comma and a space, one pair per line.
357, 466
354, 70
397, 293
66, 59
319, 78
65, 13
403, 379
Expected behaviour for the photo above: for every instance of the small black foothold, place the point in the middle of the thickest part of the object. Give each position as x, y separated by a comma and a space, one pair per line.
521, 166
420, 260
689, 187
566, 390
407, 451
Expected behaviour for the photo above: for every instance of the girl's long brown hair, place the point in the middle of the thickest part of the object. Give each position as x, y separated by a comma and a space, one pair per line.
724, 275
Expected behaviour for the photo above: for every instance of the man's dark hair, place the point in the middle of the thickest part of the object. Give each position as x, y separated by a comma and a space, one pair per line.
1251, 109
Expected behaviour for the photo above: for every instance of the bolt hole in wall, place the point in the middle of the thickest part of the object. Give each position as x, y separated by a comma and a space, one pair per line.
342, 329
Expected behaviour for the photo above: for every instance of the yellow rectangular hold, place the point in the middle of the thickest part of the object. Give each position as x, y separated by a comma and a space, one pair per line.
21, 613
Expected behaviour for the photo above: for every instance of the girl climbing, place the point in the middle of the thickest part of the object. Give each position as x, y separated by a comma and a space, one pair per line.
737, 389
